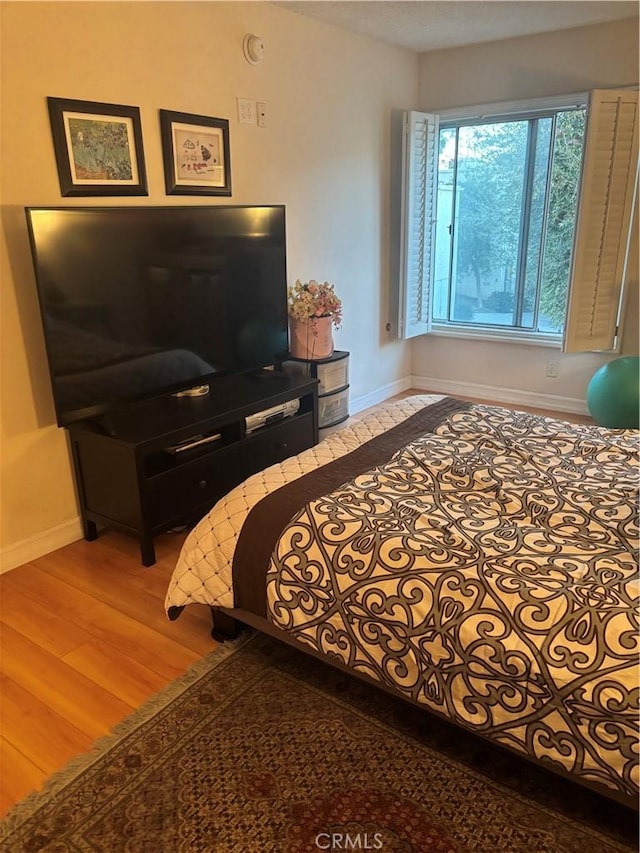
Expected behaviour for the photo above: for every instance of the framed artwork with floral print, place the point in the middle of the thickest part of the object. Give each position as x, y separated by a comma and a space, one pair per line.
98, 148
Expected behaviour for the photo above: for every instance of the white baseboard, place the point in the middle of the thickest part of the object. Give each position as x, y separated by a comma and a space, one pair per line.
513, 396
380, 394
40, 544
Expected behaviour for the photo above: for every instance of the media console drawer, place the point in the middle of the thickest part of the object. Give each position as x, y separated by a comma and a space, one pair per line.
201, 481
274, 443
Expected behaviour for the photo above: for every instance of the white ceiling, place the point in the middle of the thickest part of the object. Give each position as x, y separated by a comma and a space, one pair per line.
424, 25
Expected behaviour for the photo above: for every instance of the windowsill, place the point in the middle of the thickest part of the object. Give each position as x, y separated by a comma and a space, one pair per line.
496, 335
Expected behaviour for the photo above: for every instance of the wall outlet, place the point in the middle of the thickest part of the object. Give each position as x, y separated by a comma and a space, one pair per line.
261, 113
552, 369
246, 111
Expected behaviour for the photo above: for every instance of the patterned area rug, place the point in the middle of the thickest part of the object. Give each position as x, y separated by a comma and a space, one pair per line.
261, 749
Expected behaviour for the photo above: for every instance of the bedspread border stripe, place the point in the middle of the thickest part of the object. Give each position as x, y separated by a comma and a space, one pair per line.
268, 518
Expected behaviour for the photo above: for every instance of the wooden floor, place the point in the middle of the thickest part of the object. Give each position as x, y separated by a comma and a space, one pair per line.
84, 641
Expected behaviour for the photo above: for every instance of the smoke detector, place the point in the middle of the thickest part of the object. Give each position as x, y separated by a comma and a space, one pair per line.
253, 48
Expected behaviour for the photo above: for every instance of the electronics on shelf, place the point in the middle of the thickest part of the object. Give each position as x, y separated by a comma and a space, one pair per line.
269, 416
196, 441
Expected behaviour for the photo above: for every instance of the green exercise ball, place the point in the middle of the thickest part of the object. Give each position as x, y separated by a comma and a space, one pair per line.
613, 394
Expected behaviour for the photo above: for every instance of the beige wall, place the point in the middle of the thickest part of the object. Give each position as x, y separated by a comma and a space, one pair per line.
324, 153
550, 64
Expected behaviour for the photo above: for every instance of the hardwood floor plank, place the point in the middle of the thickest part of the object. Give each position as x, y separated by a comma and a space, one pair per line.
42, 736
146, 605
85, 703
138, 641
192, 629
42, 625
128, 679
19, 776
77, 564
35, 583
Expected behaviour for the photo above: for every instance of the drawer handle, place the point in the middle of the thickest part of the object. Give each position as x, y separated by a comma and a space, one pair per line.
202, 484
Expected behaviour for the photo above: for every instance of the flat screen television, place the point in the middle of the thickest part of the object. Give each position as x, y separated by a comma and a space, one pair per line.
138, 302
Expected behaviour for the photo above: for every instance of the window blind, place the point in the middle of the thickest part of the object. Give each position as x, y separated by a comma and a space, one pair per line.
417, 226
609, 188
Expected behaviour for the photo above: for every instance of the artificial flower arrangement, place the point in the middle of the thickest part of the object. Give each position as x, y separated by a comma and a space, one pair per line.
311, 300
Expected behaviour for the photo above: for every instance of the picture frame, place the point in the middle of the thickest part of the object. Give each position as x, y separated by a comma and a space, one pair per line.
196, 154
98, 148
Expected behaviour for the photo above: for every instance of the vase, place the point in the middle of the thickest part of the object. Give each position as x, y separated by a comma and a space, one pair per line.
310, 339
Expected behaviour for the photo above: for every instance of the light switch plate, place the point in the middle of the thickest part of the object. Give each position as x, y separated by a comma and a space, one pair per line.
246, 111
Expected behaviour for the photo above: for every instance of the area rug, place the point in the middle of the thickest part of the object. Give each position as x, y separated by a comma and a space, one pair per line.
261, 749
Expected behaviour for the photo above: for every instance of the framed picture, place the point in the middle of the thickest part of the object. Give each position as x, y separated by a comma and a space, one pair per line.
196, 154
98, 148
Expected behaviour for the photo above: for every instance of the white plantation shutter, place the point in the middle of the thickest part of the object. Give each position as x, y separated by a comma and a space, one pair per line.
417, 226
609, 185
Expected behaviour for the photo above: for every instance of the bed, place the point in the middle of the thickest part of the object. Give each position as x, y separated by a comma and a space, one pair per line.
476, 561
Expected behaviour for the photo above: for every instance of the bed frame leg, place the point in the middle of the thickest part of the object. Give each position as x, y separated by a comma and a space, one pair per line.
224, 627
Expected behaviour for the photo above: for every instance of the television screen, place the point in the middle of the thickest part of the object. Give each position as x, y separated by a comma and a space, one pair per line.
140, 301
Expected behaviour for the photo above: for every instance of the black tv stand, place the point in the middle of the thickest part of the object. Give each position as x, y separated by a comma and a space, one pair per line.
268, 375
105, 424
163, 463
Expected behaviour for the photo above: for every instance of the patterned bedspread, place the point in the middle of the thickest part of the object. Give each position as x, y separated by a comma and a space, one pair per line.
488, 571
203, 573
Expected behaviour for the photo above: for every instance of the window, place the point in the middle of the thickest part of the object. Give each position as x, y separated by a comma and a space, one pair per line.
506, 200
491, 208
